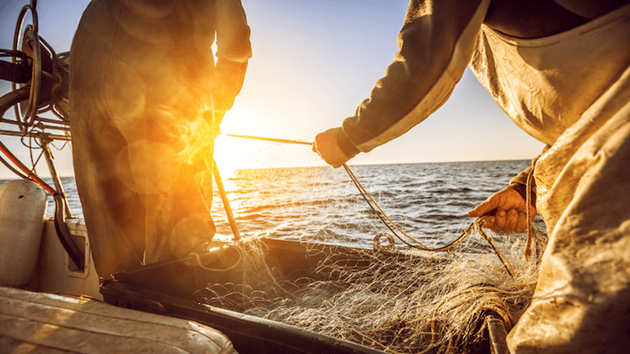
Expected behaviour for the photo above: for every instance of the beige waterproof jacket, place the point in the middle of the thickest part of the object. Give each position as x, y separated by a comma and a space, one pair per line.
570, 91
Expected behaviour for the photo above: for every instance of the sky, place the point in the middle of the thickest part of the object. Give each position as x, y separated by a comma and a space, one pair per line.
313, 63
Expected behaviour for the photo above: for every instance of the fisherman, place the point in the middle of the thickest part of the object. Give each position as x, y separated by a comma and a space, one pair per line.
146, 101
561, 71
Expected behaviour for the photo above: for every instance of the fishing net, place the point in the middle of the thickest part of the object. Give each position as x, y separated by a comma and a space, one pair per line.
404, 301
395, 299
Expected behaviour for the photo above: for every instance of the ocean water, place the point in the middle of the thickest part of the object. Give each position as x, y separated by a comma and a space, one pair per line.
428, 201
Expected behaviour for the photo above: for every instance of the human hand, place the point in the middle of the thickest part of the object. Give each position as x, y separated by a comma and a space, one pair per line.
505, 211
326, 146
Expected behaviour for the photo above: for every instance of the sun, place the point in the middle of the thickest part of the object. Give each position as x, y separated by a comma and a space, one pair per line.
232, 154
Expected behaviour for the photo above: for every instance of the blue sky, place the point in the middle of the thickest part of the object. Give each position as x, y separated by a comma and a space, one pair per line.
313, 63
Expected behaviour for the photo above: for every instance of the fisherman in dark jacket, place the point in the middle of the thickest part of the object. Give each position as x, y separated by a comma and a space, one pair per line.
146, 99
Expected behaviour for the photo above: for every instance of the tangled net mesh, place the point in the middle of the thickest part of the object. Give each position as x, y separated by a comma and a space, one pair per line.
397, 302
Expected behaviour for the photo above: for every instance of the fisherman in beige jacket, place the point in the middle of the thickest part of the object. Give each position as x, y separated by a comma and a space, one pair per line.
146, 99
561, 71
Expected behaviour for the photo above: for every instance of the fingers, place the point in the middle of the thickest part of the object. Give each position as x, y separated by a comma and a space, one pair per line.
489, 222
521, 223
504, 212
507, 221
477, 212
510, 221
483, 208
325, 145
500, 220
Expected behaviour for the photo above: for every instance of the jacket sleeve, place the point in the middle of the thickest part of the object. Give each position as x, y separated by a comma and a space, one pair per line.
435, 44
519, 182
234, 51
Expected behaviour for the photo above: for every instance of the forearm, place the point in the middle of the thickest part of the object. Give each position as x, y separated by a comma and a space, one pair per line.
229, 77
520, 182
436, 44
234, 51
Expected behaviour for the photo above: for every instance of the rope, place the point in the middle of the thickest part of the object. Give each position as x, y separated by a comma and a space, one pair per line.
530, 236
534, 237
284, 141
392, 225
199, 264
8, 165
477, 225
29, 123
28, 173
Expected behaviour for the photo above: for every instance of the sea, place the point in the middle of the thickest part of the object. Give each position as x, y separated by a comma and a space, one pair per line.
428, 201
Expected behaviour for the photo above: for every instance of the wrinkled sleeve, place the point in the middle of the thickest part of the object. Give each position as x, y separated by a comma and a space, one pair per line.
435, 44
519, 184
234, 51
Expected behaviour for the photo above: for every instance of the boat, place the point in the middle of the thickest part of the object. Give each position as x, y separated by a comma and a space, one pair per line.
53, 300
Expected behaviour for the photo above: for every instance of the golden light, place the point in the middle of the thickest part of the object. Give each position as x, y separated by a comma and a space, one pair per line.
232, 154
198, 140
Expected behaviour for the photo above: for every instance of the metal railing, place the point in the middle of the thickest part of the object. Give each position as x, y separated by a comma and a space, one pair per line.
39, 84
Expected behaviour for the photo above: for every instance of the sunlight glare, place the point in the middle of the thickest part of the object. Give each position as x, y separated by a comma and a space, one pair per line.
232, 153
